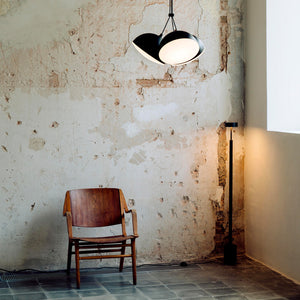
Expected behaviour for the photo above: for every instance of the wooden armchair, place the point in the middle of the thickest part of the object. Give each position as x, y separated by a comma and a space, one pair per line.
99, 207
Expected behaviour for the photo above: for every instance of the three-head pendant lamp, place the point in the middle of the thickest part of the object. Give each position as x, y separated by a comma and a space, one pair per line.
176, 48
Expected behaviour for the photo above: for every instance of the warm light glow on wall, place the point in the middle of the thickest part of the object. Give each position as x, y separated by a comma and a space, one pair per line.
283, 65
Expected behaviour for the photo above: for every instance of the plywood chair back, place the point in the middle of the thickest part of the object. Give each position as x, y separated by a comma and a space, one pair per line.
95, 207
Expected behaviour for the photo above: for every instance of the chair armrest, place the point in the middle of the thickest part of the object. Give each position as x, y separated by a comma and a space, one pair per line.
69, 223
134, 221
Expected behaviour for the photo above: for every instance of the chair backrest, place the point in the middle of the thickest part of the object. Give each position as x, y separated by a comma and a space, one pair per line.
96, 207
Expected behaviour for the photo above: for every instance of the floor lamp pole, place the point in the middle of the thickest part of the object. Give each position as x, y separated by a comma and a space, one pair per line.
230, 186
230, 250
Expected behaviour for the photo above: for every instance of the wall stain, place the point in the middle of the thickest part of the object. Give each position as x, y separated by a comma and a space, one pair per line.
195, 172
54, 124
173, 213
185, 200
36, 144
131, 203
4, 148
138, 158
53, 80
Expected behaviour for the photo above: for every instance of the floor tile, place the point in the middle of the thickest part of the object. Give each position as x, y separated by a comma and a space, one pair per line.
262, 295
3, 284
62, 295
26, 289
109, 278
6, 297
221, 291
104, 297
231, 297
35, 296
212, 285
5, 291
182, 286
191, 293
131, 297
200, 298
90, 293
157, 292
23, 283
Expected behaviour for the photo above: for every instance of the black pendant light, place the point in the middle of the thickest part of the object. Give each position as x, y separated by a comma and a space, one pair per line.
148, 45
176, 48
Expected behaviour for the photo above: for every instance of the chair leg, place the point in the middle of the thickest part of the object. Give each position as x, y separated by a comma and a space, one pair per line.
69, 257
122, 258
77, 264
133, 261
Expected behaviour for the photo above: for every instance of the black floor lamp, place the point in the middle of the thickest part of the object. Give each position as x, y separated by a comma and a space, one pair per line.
230, 250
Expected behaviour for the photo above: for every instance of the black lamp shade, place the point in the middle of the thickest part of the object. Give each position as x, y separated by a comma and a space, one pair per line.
148, 45
180, 47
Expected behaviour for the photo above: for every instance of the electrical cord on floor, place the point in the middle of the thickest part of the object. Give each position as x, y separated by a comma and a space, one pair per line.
8, 275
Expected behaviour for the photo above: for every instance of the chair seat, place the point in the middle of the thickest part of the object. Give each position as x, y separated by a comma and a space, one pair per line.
105, 240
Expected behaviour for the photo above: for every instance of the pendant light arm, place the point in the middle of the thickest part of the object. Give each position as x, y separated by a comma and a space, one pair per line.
165, 26
173, 24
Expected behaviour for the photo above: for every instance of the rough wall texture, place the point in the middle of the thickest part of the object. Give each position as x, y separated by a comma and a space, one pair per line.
79, 107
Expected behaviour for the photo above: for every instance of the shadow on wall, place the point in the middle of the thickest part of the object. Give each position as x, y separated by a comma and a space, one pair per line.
45, 237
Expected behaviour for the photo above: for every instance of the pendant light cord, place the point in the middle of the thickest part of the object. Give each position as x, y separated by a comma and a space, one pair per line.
171, 16
171, 13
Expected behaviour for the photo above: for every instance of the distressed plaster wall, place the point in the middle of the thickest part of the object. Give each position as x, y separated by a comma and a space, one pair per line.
79, 107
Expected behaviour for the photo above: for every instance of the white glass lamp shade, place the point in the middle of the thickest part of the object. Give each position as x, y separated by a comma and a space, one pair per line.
148, 45
180, 47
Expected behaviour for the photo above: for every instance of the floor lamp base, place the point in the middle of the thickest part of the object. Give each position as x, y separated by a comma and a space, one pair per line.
230, 252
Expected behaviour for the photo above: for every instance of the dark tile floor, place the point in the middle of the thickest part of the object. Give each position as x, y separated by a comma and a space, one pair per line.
211, 280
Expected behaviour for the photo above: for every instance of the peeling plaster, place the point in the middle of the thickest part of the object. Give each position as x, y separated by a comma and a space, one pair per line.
224, 35
4, 7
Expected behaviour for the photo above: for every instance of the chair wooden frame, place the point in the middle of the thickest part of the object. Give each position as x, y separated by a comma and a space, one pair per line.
99, 207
